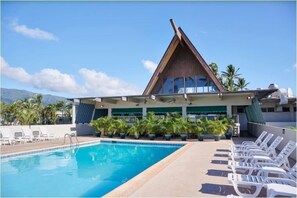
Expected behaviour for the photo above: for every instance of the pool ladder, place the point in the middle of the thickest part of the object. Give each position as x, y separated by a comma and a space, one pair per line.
70, 135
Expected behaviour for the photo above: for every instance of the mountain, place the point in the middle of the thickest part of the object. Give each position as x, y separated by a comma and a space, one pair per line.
11, 95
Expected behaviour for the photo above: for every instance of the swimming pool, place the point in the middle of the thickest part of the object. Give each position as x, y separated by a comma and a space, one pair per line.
87, 171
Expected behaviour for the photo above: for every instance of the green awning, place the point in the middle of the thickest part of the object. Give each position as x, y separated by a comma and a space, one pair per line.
130, 111
207, 110
164, 110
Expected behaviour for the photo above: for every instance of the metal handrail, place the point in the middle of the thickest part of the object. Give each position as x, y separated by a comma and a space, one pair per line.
70, 135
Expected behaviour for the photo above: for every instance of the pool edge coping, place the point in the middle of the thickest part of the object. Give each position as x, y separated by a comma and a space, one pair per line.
135, 183
36, 151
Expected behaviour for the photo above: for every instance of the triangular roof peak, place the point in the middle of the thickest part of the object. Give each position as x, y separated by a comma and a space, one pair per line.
180, 42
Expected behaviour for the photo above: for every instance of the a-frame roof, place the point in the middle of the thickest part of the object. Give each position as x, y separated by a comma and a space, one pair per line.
180, 38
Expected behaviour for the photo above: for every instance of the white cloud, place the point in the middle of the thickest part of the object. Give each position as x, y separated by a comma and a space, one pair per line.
54, 80
295, 66
95, 83
49, 79
34, 33
98, 83
149, 65
16, 73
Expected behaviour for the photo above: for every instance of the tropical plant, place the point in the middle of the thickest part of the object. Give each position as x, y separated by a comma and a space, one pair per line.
120, 126
230, 75
136, 130
214, 67
182, 126
168, 125
202, 126
217, 127
151, 123
241, 83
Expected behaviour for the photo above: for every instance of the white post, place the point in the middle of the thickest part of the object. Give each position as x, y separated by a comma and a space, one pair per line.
144, 112
229, 110
109, 112
184, 111
73, 113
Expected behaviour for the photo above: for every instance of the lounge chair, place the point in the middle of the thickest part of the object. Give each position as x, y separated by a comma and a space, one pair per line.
27, 134
281, 160
262, 146
274, 190
246, 143
258, 182
45, 134
7, 136
247, 154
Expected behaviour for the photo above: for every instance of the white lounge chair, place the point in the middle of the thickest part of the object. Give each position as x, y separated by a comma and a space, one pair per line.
258, 182
247, 154
7, 137
45, 134
245, 143
27, 134
262, 146
274, 190
281, 160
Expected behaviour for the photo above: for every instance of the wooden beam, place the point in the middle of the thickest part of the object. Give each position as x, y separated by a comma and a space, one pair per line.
176, 31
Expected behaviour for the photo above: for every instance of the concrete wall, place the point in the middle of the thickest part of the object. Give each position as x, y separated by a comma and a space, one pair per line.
256, 129
84, 129
59, 130
282, 124
279, 116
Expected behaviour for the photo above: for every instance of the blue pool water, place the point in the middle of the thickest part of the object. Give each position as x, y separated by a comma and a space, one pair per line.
87, 171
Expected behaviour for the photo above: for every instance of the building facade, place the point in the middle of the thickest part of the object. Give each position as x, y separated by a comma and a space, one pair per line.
183, 83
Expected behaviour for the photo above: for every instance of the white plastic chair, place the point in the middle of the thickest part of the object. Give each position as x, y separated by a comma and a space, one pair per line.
45, 134
258, 182
27, 134
7, 136
262, 146
246, 143
281, 160
274, 190
247, 154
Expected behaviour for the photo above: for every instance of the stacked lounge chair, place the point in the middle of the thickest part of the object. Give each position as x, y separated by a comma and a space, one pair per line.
262, 167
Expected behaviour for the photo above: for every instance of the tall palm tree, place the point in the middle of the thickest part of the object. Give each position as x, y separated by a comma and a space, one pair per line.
241, 83
230, 75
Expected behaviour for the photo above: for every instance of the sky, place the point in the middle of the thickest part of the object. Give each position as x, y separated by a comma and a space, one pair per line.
84, 49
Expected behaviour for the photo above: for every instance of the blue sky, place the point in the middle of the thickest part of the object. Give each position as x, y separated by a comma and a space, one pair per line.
77, 49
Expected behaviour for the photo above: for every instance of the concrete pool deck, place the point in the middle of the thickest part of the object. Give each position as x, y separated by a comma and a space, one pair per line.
198, 169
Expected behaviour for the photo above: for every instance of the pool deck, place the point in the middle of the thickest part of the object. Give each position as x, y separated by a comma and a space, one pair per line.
199, 169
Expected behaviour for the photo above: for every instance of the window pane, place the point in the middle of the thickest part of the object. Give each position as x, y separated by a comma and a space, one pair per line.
179, 85
190, 85
168, 86
202, 84
212, 87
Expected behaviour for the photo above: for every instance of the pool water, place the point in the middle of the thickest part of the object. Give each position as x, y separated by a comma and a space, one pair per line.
86, 171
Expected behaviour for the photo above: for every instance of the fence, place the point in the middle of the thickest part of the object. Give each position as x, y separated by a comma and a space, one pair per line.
256, 129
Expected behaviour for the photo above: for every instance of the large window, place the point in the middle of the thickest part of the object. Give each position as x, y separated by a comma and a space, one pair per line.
168, 86
202, 84
179, 85
190, 84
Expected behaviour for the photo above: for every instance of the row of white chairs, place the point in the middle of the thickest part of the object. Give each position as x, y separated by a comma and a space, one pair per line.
27, 135
256, 165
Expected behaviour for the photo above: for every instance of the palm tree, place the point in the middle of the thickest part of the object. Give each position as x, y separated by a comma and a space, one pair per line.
50, 114
241, 84
214, 67
230, 75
